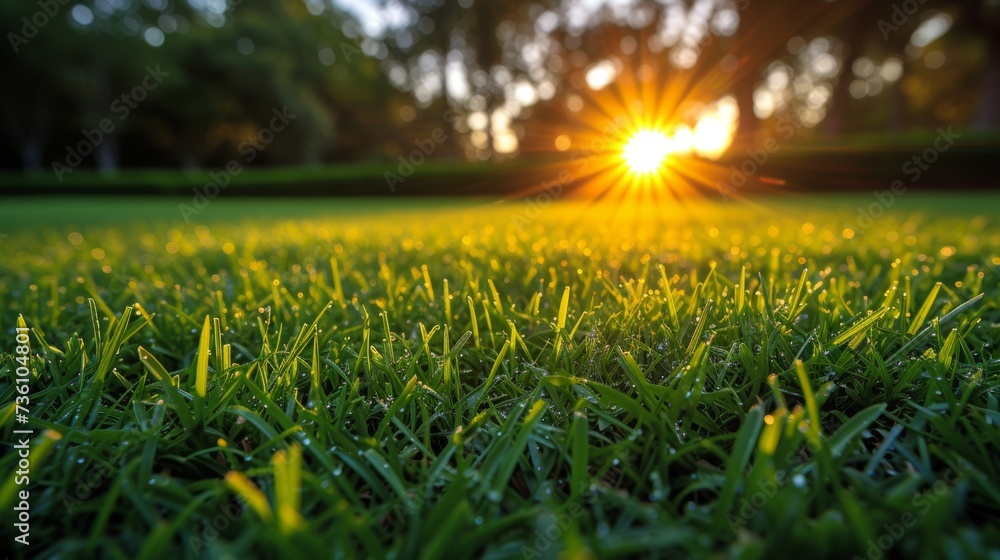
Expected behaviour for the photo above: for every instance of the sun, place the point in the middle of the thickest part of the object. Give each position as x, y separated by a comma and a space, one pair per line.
646, 150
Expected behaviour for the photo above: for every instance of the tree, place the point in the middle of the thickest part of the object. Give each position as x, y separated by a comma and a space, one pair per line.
449, 41
982, 17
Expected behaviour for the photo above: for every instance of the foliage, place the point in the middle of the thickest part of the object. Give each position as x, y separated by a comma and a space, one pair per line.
368, 83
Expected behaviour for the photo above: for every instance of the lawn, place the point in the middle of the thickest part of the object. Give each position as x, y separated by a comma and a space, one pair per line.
455, 379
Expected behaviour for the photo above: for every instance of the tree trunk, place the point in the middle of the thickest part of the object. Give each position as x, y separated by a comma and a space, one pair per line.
898, 103
29, 136
988, 113
33, 149
747, 132
105, 151
188, 161
840, 104
486, 58
748, 73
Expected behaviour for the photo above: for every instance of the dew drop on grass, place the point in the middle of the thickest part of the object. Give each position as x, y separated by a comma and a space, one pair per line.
603, 530
799, 481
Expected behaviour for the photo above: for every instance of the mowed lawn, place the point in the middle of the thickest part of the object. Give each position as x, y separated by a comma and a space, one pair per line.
457, 379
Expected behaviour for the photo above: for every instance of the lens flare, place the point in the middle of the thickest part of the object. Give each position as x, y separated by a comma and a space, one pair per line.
646, 150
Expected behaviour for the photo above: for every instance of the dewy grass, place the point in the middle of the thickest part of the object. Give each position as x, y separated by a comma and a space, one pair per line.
446, 384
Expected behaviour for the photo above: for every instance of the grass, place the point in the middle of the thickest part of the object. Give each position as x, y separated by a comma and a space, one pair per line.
351, 379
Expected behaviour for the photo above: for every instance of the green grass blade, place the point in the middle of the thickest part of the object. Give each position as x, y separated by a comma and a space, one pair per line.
201, 366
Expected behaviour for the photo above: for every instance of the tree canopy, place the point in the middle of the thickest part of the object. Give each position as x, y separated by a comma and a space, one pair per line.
366, 79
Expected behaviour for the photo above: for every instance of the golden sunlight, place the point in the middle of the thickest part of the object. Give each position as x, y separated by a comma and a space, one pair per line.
645, 152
